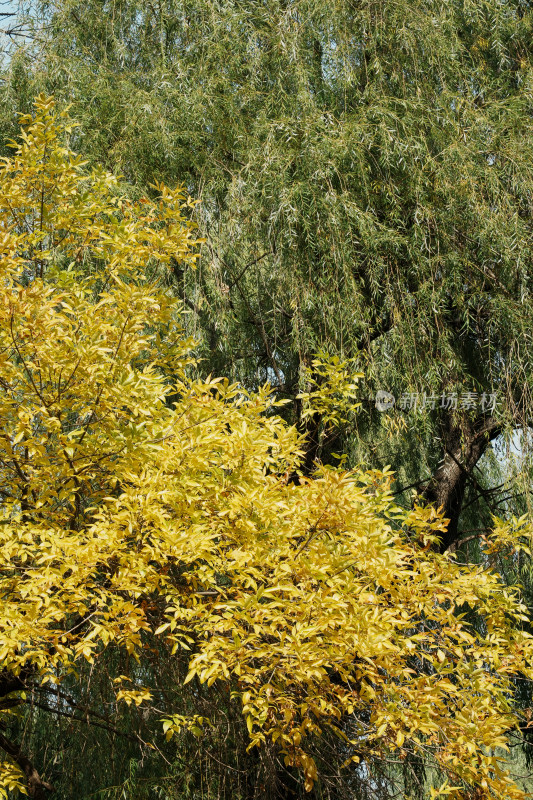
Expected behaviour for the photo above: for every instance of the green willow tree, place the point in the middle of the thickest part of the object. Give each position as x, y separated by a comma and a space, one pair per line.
366, 182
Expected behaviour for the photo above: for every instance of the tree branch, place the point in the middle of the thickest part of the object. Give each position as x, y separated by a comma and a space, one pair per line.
37, 788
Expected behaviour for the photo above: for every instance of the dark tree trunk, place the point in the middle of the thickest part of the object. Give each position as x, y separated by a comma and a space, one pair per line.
463, 445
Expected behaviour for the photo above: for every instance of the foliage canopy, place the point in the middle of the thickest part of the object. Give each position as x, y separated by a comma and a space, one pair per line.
142, 506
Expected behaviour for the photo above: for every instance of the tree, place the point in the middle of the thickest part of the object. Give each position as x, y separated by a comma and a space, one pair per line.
143, 507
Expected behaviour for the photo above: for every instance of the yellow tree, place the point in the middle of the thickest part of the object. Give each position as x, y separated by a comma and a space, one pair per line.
138, 503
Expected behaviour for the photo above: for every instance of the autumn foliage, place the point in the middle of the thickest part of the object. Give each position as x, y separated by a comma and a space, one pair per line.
139, 501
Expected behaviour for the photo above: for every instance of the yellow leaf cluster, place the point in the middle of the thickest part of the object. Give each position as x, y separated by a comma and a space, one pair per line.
12, 779
509, 536
331, 385
126, 516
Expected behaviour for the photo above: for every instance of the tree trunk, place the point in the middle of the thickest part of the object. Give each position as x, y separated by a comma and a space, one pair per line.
464, 444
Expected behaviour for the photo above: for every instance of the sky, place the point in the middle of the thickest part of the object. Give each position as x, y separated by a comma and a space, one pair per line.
7, 7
